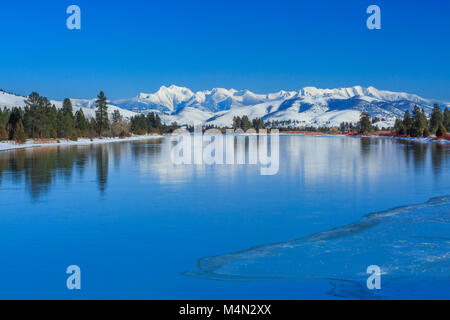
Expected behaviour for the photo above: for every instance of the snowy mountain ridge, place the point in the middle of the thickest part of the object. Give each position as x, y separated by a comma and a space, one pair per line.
309, 106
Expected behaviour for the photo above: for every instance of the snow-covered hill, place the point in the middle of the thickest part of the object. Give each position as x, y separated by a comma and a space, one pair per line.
10, 100
308, 107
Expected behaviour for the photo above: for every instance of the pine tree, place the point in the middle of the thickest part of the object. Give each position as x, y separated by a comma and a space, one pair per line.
15, 117
4, 116
67, 126
116, 117
245, 123
50, 120
365, 123
101, 114
446, 119
407, 122
60, 124
139, 124
19, 133
34, 115
424, 121
419, 122
399, 127
151, 120
158, 123
441, 131
237, 123
436, 118
3, 133
258, 124
81, 123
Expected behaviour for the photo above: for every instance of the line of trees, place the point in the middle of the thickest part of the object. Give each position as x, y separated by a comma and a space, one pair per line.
151, 123
245, 124
42, 120
417, 124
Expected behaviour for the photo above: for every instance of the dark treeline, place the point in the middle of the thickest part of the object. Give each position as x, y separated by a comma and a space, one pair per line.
239, 123
366, 124
293, 125
296, 125
42, 120
245, 124
151, 123
417, 124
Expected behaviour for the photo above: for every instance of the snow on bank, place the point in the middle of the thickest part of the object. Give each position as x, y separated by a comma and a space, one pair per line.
11, 145
422, 140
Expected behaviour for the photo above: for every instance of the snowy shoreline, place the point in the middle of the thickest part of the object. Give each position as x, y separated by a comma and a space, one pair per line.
410, 139
11, 145
420, 140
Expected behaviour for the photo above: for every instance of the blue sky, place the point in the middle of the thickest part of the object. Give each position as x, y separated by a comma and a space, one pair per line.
127, 47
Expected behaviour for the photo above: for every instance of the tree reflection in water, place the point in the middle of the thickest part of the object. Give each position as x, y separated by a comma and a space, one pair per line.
39, 168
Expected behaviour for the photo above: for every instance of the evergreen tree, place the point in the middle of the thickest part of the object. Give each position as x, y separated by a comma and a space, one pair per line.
424, 122
15, 117
446, 119
50, 120
40, 117
116, 117
66, 120
101, 113
158, 123
151, 120
237, 123
60, 124
258, 124
441, 131
365, 123
139, 124
426, 132
27, 122
154, 123
81, 123
4, 116
419, 122
407, 122
399, 127
245, 123
19, 133
3, 133
36, 115
436, 119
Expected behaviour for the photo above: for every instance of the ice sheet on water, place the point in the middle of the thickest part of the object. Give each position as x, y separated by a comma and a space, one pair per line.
411, 244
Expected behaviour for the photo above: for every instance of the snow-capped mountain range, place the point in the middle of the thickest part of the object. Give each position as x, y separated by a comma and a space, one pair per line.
307, 107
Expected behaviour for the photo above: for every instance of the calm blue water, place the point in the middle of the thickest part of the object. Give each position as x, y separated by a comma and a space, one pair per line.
140, 227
